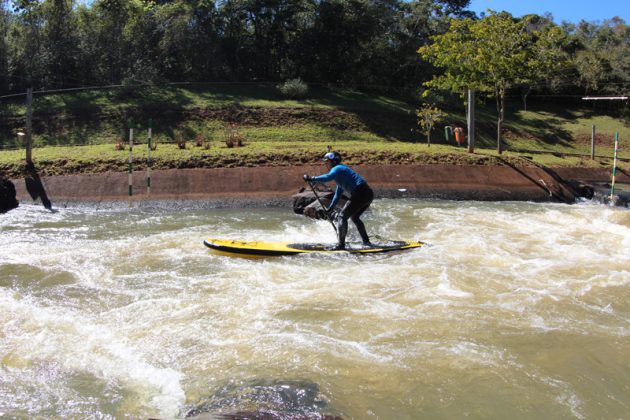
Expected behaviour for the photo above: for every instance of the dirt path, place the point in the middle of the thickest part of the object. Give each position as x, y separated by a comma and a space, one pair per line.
273, 185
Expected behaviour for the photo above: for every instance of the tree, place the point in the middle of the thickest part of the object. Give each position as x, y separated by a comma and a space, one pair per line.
602, 56
26, 56
548, 56
110, 19
428, 116
490, 55
4, 56
59, 43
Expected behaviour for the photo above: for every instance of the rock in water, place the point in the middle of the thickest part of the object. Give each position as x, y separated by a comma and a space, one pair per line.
268, 400
305, 199
7, 195
305, 202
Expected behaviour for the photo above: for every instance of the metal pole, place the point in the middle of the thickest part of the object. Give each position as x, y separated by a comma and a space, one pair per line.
593, 143
149, 158
29, 125
471, 121
129, 170
614, 172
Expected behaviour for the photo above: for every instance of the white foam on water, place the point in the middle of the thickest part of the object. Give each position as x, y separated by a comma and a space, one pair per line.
346, 349
446, 289
475, 353
77, 343
143, 303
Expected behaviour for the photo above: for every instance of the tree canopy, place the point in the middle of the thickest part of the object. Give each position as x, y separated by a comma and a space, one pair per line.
63, 43
369, 44
494, 54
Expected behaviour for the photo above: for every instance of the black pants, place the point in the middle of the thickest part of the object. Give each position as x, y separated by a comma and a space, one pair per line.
361, 199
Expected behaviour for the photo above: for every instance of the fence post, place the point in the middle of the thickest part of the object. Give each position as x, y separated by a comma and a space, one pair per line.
149, 157
593, 143
614, 172
471, 121
130, 171
29, 125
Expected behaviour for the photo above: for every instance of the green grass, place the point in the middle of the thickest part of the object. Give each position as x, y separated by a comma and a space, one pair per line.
101, 158
252, 148
369, 125
185, 97
103, 116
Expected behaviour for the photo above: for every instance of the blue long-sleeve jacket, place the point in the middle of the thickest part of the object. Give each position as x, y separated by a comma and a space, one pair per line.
346, 180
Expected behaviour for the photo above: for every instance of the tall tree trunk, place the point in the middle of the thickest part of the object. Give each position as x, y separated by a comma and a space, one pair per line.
524, 95
499, 127
501, 105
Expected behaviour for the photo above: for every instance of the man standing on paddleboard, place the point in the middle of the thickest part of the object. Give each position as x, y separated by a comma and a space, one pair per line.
361, 196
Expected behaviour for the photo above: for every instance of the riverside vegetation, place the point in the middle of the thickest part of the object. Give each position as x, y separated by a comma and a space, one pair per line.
83, 132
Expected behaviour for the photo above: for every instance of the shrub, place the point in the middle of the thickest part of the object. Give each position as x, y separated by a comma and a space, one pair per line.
179, 140
233, 137
294, 89
200, 140
428, 116
120, 144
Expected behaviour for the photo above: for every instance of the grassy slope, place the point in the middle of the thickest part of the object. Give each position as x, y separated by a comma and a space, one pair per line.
380, 129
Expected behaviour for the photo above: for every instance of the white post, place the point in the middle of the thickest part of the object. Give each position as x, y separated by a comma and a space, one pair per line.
149, 159
593, 143
614, 172
130, 172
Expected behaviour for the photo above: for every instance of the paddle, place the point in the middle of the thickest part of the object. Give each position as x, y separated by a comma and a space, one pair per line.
321, 204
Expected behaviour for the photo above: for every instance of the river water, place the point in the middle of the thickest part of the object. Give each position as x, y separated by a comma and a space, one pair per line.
513, 310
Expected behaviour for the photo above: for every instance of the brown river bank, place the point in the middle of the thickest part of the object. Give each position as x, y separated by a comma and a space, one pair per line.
276, 185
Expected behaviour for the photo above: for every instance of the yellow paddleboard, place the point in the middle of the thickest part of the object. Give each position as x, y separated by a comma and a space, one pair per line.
254, 249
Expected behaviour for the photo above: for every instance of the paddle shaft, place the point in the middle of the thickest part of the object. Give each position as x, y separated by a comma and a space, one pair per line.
321, 204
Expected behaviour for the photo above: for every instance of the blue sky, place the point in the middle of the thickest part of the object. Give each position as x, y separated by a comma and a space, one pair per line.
562, 10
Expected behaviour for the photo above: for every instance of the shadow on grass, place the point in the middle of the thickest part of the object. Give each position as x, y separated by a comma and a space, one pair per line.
52, 113
542, 131
389, 118
230, 94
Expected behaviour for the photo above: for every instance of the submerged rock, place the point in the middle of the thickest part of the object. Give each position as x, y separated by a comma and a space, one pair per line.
305, 202
582, 189
7, 195
269, 400
305, 197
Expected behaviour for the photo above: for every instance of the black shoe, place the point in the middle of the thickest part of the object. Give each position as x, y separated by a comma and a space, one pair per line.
337, 247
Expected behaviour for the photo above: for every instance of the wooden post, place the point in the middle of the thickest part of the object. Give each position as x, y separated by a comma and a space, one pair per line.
29, 125
130, 171
471, 121
614, 172
593, 143
149, 158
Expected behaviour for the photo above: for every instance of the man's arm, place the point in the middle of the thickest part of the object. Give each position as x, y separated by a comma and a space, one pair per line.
333, 203
330, 176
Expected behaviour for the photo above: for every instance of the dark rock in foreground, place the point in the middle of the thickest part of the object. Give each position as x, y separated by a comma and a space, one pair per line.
268, 400
7, 195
